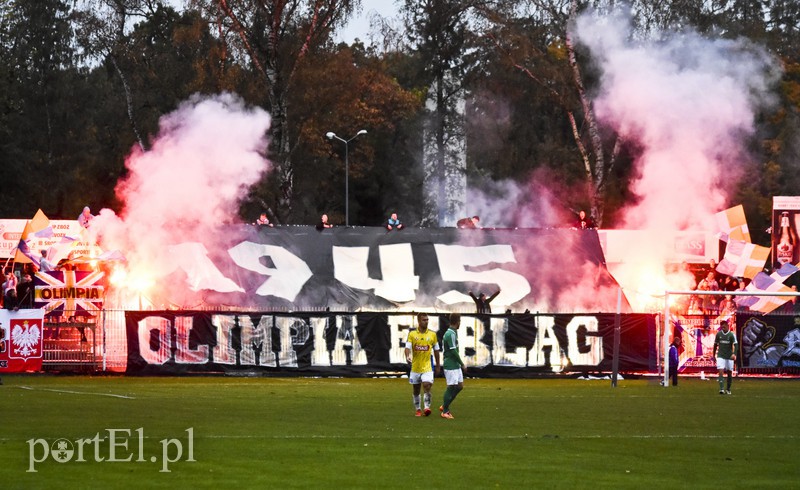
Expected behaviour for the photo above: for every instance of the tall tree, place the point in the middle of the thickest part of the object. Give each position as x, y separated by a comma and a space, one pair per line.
278, 37
343, 91
102, 27
37, 50
440, 33
551, 60
145, 69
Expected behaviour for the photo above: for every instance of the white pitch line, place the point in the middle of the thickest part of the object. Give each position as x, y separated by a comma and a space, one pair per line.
658, 395
499, 437
468, 437
77, 392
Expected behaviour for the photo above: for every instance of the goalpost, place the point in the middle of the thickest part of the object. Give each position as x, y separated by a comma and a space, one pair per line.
666, 324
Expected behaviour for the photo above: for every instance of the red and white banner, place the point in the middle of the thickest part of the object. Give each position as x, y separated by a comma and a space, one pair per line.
21, 345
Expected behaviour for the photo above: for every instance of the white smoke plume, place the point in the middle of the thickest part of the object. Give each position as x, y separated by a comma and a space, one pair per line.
510, 204
688, 103
685, 102
207, 154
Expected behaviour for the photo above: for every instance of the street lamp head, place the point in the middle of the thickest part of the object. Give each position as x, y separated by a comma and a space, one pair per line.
331, 135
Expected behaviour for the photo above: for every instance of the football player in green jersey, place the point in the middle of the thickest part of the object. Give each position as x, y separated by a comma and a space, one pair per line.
452, 364
725, 347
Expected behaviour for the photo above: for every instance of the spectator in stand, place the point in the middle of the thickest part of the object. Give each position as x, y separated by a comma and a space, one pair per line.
483, 308
709, 301
583, 222
712, 267
700, 272
10, 291
25, 291
85, 218
465, 223
323, 223
695, 305
728, 283
743, 282
727, 306
44, 264
482, 303
263, 220
393, 223
29, 269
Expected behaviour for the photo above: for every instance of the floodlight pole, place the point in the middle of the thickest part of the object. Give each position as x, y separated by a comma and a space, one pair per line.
331, 135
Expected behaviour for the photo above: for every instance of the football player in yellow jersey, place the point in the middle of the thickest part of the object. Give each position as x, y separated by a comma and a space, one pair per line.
419, 346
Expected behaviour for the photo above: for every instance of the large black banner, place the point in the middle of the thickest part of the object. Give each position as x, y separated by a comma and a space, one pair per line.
171, 342
348, 269
769, 343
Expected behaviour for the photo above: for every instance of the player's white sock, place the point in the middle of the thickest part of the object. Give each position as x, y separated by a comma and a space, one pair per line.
427, 400
416, 402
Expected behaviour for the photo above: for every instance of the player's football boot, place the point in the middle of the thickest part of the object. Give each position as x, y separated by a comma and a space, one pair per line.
427, 411
447, 415
418, 413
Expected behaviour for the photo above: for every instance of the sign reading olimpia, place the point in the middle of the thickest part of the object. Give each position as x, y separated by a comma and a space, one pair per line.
168, 342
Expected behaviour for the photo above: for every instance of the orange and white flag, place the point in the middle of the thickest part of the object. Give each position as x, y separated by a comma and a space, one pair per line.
743, 259
731, 224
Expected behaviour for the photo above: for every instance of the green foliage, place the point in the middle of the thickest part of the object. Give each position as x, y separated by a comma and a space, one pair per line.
37, 56
515, 124
78, 89
344, 91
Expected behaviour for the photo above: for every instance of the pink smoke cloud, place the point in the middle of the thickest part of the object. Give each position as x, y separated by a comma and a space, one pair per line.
206, 156
689, 103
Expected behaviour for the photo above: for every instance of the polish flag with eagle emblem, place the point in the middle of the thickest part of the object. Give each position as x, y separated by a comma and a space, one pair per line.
21, 340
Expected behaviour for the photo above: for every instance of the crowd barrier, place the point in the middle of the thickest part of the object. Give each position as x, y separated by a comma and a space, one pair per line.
69, 346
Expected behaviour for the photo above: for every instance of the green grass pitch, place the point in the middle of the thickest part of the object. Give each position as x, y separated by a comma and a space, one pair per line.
361, 433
